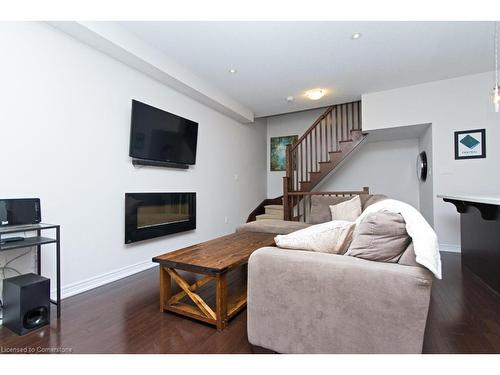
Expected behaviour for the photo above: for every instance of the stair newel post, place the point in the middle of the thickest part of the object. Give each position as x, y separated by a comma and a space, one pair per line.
360, 126
286, 203
287, 181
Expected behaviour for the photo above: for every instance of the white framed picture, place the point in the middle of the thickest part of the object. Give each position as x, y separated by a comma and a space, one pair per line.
470, 144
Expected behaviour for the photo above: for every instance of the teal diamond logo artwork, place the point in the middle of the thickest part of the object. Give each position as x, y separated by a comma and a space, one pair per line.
469, 141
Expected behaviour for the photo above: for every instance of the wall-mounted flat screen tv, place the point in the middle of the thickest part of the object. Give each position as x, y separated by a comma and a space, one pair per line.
162, 136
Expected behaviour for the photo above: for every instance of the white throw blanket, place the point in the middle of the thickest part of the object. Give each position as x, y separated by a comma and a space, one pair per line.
423, 236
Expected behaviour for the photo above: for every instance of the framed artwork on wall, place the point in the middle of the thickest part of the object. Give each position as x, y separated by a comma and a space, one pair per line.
470, 144
278, 151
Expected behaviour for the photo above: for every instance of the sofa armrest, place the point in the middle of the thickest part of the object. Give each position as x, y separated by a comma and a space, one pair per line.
309, 302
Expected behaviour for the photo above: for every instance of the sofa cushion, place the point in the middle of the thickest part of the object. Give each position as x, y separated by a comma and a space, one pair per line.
330, 237
369, 199
408, 258
381, 236
320, 210
272, 226
349, 210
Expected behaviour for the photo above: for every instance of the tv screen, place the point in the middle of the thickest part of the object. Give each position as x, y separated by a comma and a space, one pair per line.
162, 136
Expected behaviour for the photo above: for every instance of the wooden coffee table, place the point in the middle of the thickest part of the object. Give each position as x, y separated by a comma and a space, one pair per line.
213, 259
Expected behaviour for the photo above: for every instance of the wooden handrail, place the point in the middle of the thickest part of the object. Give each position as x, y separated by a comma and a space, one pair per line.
306, 133
336, 130
321, 117
321, 138
366, 190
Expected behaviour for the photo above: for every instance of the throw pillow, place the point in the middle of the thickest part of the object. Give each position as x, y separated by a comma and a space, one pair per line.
408, 257
349, 210
331, 237
381, 237
320, 208
371, 199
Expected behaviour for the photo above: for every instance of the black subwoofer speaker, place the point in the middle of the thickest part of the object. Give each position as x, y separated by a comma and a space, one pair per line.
26, 303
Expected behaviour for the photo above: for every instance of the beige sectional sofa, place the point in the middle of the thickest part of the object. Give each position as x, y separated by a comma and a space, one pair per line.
311, 302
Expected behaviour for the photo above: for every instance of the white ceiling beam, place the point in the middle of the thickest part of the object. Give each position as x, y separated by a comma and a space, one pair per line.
115, 41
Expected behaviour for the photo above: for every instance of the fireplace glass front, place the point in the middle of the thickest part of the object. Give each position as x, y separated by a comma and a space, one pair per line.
149, 215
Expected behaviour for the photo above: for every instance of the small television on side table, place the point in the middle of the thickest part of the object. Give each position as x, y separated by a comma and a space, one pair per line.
160, 138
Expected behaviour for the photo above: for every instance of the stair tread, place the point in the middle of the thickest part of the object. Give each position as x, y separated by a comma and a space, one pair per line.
345, 141
274, 206
269, 217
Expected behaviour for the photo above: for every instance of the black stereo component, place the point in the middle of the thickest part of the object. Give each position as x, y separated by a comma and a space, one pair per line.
20, 211
26, 303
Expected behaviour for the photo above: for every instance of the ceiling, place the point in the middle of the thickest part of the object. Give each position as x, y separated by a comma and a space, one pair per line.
278, 59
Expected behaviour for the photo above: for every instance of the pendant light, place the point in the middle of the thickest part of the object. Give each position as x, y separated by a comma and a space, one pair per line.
496, 94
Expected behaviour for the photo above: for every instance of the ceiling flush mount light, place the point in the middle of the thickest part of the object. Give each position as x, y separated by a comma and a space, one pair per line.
315, 94
356, 36
233, 71
290, 99
496, 95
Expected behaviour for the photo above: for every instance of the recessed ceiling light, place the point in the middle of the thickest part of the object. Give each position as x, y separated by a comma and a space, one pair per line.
233, 71
290, 99
356, 36
315, 94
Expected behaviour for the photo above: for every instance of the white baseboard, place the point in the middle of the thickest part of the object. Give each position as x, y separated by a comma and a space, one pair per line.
449, 248
96, 281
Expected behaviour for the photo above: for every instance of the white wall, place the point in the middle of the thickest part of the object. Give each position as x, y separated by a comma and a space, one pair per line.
427, 187
449, 105
283, 125
387, 167
64, 126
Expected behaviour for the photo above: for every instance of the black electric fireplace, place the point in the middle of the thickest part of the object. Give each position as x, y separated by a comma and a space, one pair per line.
150, 215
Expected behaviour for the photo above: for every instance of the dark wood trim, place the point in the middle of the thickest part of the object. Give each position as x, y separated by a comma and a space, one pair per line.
366, 190
313, 126
317, 145
260, 209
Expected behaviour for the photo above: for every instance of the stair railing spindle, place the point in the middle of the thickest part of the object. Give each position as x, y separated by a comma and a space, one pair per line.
326, 138
345, 136
331, 132
336, 128
351, 116
355, 115
310, 152
296, 167
301, 166
316, 148
341, 123
307, 158
360, 124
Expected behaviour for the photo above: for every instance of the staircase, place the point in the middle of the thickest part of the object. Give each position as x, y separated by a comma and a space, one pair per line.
272, 212
334, 136
271, 208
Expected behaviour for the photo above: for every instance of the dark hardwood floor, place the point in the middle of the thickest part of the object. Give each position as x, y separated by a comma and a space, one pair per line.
124, 317
464, 314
